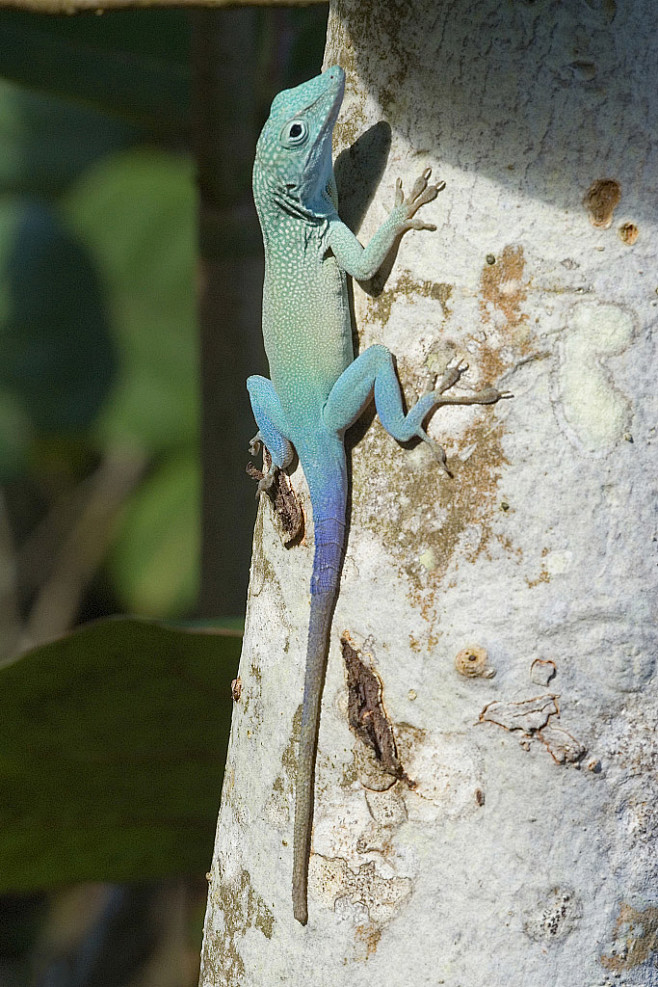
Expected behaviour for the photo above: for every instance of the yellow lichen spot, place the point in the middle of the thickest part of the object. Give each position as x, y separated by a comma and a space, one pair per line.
428, 560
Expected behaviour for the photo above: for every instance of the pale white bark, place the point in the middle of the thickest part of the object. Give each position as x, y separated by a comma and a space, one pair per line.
526, 853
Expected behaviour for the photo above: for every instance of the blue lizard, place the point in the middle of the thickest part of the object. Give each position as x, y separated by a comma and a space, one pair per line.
317, 388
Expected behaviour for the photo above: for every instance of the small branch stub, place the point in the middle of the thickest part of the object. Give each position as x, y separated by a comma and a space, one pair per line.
473, 662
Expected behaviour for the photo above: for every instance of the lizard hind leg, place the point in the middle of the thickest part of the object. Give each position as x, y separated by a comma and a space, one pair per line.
272, 427
374, 369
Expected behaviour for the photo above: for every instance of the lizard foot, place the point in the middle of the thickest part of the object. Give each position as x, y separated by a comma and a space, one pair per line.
437, 450
267, 481
488, 395
255, 444
451, 376
421, 193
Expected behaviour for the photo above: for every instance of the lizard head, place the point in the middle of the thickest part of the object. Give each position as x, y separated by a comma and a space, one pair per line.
293, 155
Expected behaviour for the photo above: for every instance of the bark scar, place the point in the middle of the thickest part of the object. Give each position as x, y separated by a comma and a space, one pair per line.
367, 716
287, 508
601, 200
533, 718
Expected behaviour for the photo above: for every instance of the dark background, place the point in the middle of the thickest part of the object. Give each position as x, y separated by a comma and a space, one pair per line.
100, 398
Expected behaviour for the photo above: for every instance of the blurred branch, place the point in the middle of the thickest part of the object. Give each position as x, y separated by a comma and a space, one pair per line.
72, 6
120, 936
224, 58
84, 548
10, 623
37, 555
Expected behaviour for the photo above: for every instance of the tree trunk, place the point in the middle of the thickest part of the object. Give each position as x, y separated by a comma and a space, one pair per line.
518, 844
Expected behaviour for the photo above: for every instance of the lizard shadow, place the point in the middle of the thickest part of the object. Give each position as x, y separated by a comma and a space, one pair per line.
358, 171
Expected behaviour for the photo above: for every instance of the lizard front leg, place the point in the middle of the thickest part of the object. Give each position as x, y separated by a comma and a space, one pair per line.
272, 428
362, 263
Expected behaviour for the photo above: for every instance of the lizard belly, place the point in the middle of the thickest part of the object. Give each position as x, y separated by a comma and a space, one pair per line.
307, 333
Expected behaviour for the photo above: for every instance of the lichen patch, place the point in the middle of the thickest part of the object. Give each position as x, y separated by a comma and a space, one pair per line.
591, 407
635, 939
331, 880
380, 305
240, 908
535, 720
554, 915
503, 291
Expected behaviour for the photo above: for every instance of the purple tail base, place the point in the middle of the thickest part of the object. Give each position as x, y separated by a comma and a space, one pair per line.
329, 531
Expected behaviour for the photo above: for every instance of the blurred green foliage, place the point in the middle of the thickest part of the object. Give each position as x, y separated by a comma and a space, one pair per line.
113, 737
97, 260
98, 340
133, 64
136, 212
153, 561
57, 358
113, 746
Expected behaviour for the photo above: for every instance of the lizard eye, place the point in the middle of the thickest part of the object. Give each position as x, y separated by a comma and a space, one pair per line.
294, 133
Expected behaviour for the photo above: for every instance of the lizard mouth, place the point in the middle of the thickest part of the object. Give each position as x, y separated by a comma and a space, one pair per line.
335, 90
332, 95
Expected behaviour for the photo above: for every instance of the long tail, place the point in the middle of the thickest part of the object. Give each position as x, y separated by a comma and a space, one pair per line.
329, 531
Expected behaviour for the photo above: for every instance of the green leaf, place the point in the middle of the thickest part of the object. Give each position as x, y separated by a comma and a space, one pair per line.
133, 63
111, 754
137, 213
56, 354
15, 438
47, 142
155, 560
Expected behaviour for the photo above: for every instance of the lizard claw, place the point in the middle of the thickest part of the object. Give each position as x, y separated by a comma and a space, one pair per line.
418, 224
428, 195
421, 183
491, 394
255, 444
437, 450
266, 481
451, 377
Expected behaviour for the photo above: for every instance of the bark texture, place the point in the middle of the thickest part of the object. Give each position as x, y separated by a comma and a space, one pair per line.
476, 828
